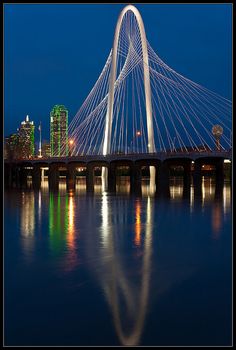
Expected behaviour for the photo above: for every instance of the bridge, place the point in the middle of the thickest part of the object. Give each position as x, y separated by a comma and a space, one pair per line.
162, 162
140, 112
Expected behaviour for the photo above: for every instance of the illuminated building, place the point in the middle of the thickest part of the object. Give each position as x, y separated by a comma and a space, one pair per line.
46, 150
26, 146
59, 131
10, 147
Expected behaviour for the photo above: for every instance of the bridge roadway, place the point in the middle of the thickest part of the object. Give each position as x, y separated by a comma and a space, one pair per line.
16, 172
161, 156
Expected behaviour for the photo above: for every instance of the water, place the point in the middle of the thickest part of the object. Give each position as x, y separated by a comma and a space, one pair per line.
118, 269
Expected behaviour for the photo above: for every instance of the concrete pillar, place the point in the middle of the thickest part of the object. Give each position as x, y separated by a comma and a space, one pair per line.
112, 178
163, 180
135, 179
70, 177
90, 178
23, 177
197, 178
17, 176
53, 178
8, 176
42, 174
219, 179
187, 179
230, 173
36, 177
220, 171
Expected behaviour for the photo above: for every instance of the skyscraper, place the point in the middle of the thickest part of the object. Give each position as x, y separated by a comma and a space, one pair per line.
46, 150
11, 147
59, 131
26, 139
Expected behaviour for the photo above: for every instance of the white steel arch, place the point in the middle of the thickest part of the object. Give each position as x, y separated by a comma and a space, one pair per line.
147, 86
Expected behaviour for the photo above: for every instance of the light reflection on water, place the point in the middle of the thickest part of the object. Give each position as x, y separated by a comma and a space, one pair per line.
113, 236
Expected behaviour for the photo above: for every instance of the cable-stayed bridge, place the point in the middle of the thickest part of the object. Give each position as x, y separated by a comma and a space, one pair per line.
140, 112
141, 105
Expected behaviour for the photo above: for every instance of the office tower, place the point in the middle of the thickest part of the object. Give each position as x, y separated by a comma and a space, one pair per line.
11, 147
46, 150
26, 146
59, 131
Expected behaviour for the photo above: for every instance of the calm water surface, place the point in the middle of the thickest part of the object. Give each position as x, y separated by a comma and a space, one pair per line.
107, 269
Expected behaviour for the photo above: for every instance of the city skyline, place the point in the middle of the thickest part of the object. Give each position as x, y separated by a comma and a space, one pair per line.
189, 53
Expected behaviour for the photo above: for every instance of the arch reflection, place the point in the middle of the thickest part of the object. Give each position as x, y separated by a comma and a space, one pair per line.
127, 298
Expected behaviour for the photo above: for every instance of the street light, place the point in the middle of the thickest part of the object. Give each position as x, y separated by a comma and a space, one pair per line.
71, 142
137, 134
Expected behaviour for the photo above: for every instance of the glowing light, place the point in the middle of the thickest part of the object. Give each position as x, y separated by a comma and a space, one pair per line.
71, 228
137, 239
28, 215
138, 133
105, 219
227, 161
71, 142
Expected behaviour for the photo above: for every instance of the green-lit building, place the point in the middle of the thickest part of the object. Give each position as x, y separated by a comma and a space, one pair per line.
26, 145
59, 131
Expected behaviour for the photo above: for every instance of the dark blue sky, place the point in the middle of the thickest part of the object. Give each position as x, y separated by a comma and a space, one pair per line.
53, 54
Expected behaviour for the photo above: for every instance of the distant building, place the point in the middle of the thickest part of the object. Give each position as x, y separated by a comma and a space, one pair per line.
26, 146
46, 150
59, 131
11, 147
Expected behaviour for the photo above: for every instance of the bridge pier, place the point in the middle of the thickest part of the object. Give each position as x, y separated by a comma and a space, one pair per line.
36, 177
197, 178
70, 177
187, 179
219, 179
23, 173
89, 178
163, 180
219, 164
53, 178
8, 175
111, 180
16, 176
135, 179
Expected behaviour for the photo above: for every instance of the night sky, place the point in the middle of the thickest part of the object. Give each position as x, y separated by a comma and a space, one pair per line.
53, 54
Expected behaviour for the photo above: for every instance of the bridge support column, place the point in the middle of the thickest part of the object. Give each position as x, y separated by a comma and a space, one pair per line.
220, 171
187, 179
112, 178
23, 177
36, 177
230, 173
135, 179
219, 179
53, 178
163, 180
16, 175
197, 178
8, 175
89, 178
70, 177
